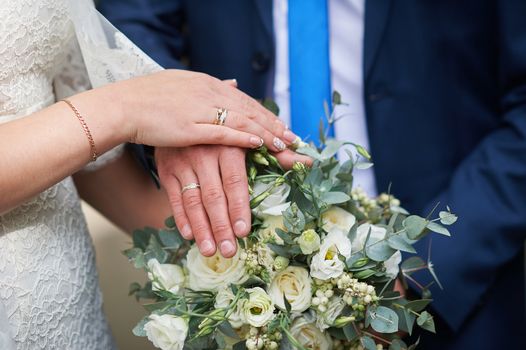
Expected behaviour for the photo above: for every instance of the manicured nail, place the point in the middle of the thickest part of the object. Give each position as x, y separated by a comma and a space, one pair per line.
186, 232
290, 136
227, 248
240, 228
207, 246
279, 144
256, 141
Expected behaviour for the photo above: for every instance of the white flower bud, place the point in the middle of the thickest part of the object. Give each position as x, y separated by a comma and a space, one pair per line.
329, 293
324, 300
367, 299
315, 301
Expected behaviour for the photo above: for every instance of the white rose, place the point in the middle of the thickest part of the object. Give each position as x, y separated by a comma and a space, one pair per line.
275, 203
338, 217
326, 264
210, 273
377, 233
309, 241
223, 299
326, 319
167, 277
258, 309
392, 265
166, 332
268, 233
295, 284
309, 336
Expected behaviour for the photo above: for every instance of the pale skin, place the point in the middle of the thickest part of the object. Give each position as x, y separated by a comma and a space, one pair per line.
167, 109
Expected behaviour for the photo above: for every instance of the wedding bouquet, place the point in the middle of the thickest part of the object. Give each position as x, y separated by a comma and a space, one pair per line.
318, 270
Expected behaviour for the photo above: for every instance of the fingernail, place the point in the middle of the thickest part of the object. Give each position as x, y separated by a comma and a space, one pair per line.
289, 136
234, 81
240, 228
279, 144
186, 232
227, 248
256, 141
207, 246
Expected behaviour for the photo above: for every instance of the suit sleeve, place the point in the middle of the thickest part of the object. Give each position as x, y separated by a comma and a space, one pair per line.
156, 26
488, 189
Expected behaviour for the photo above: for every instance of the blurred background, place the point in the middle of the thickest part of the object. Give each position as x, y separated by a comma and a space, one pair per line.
116, 274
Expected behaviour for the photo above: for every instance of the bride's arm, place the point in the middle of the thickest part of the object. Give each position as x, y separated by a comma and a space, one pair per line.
171, 108
40, 150
124, 193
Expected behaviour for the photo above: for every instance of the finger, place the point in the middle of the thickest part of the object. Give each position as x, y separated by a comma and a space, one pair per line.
173, 189
238, 101
288, 158
238, 121
196, 213
215, 203
235, 184
231, 82
221, 135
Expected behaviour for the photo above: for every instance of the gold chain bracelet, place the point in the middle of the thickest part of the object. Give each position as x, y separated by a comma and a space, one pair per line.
94, 153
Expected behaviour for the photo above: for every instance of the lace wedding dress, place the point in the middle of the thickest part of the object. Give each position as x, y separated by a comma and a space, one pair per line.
49, 292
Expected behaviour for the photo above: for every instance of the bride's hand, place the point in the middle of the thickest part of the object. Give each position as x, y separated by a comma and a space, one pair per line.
178, 108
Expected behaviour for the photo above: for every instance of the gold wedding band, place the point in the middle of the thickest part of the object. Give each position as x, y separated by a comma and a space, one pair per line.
221, 115
190, 186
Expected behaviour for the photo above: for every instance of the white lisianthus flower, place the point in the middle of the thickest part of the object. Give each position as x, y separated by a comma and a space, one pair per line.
276, 203
392, 265
362, 231
265, 256
267, 233
326, 264
211, 273
167, 277
309, 241
258, 309
167, 332
309, 336
326, 319
294, 284
337, 217
223, 299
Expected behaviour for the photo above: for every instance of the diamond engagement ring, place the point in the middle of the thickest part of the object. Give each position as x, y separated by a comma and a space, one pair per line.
190, 186
222, 114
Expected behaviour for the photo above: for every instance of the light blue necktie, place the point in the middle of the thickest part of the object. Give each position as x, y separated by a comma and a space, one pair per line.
310, 75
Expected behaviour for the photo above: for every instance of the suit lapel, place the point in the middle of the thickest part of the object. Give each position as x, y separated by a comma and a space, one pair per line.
264, 8
376, 16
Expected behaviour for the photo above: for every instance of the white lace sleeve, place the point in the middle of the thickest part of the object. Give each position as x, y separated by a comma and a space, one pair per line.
72, 79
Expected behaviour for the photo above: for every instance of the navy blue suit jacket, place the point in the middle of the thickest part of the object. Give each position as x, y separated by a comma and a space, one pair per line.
445, 96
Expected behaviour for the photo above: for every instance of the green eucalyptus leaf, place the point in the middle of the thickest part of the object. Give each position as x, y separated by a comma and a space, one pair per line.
383, 319
332, 147
335, 197
435, 227
447, 218
226, 328
170, 222
363, 165
397, 344
418, 305
378, 249
139, 330
141, 239
413, 264
415, 226
155, 251
350, 332
368, 343
336, 98
425, 321
309, 151
134, 288
171, 238
399, 243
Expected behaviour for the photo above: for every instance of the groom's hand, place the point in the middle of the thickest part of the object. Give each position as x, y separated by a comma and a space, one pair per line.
218, 211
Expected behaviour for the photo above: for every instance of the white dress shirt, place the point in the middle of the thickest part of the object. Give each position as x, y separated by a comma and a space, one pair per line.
346, 27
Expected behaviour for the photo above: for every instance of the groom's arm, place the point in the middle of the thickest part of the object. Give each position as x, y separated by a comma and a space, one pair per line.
154, 25
488, 190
